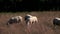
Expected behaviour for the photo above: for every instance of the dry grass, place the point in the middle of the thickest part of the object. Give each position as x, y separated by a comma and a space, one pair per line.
45, 25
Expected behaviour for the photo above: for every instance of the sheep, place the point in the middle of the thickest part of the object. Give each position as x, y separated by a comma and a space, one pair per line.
33, 20
15, 19
11, 20
56, 21
30, 19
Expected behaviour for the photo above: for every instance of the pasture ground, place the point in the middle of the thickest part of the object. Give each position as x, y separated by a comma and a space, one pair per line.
44, 26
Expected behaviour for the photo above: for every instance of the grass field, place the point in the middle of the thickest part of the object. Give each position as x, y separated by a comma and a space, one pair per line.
44, 26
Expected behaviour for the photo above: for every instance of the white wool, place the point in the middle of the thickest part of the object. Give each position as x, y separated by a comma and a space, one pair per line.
32, 19
20, 18
13, 18
17, 18
57, 18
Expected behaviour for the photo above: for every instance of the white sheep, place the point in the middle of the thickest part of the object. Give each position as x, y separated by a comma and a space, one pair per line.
30, 19
33, 20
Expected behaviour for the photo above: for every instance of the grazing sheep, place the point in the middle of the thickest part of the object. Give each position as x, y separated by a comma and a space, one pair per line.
56, 22
15, 19
33, 20
11, 20
30, 19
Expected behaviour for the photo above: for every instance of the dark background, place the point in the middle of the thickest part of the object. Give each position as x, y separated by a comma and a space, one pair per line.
29, 5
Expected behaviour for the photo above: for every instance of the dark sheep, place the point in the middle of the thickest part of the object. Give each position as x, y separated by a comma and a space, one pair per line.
16, 19
56, 21
11, 21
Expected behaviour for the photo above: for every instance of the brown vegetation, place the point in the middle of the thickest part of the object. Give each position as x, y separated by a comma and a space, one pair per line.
45, 25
